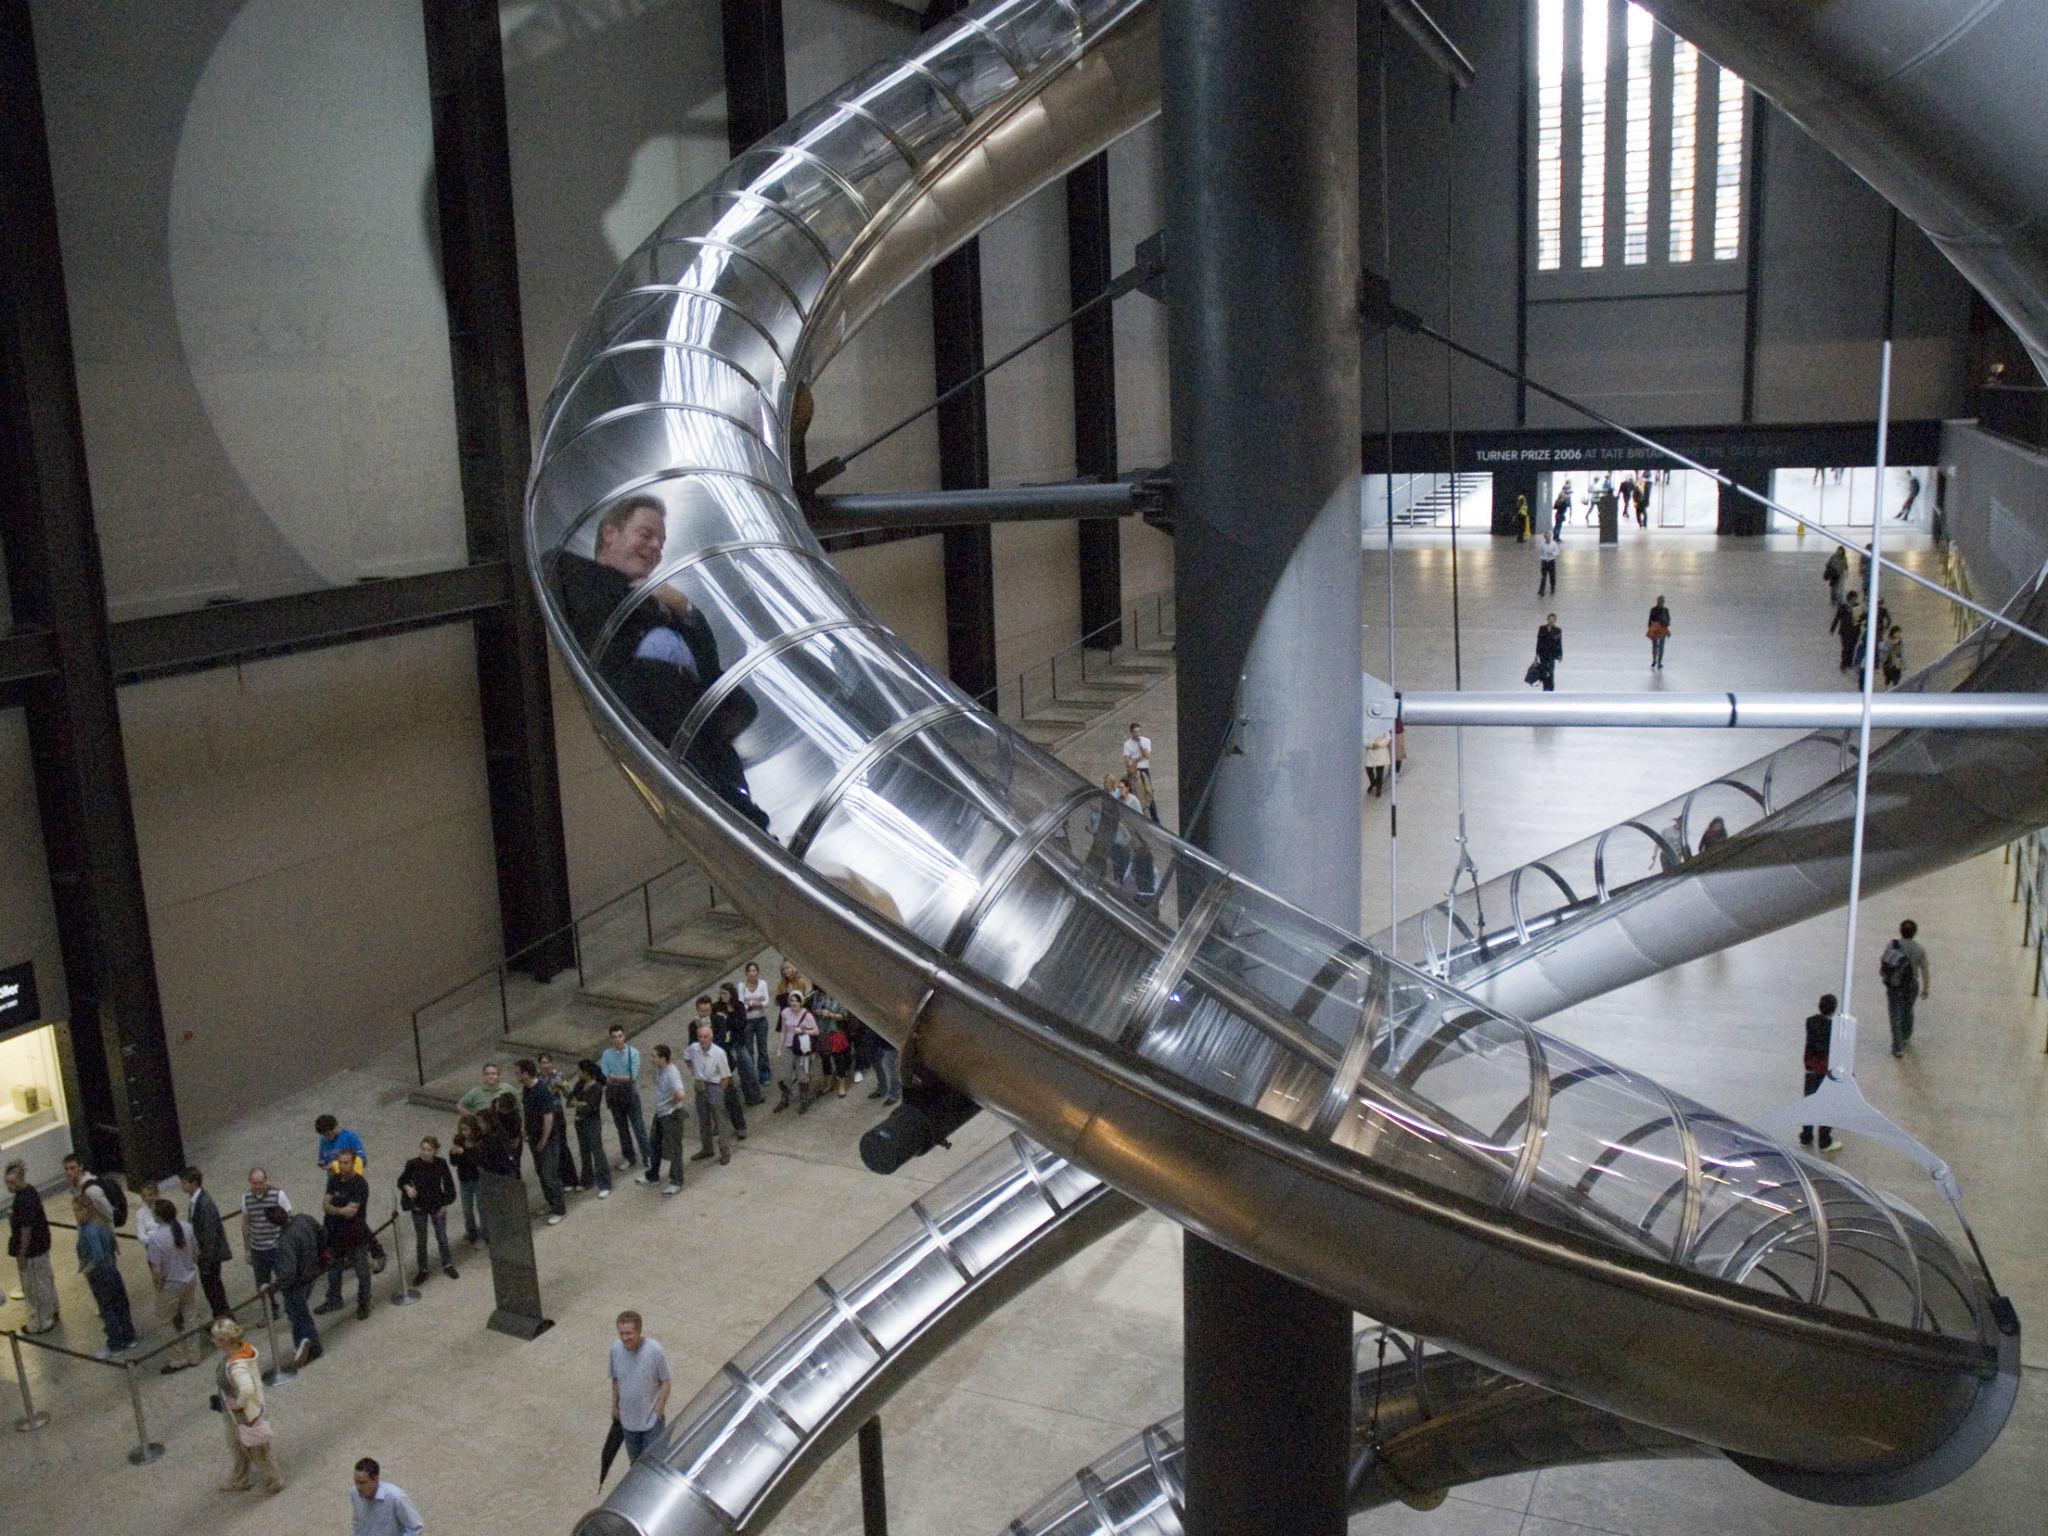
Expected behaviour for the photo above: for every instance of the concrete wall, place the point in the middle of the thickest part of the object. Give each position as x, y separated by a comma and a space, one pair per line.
1992, 498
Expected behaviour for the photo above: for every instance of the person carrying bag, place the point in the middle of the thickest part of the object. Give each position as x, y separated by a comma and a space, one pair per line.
239, 1398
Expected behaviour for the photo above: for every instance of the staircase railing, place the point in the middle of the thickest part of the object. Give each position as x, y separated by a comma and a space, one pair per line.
1066, 676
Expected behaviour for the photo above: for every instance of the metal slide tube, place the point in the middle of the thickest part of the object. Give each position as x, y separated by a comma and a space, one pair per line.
1723, 711
904, 801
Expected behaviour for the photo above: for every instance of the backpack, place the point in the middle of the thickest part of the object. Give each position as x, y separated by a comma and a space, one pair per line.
117, 1197
1895, 968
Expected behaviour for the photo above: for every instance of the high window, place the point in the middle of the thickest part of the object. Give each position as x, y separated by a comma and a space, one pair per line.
1639, 142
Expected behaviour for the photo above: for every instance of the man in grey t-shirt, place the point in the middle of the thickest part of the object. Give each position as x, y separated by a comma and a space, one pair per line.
640, 1383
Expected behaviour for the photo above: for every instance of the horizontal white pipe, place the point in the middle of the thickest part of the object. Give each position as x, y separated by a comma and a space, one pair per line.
1768, 711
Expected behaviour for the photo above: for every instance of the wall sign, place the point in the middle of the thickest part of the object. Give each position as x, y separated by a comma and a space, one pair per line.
19, 1005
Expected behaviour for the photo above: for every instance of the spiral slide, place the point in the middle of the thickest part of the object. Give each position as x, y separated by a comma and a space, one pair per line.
1189, 1039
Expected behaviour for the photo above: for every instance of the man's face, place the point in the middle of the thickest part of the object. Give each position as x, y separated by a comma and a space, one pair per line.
491, 1075
618, 1036
703, 1034
629, 1335
190, 1186
633, 548
15, 1180
74, 1170
366, 1485
547, 1066
258, 1181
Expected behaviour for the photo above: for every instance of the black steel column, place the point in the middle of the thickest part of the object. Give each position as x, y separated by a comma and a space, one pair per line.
124, 1114
756, 73
1262, 197
957, 352
480, 273
1089, 262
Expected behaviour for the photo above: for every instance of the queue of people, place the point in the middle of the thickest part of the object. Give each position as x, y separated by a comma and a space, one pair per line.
1849, 620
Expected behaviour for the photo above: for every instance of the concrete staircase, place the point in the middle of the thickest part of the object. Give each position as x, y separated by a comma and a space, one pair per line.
1101, 688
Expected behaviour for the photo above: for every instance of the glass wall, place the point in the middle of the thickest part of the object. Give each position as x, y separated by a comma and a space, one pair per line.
1838, 497
32, 1112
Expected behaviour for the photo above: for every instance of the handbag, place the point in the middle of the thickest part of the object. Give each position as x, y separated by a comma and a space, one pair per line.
1535, 673
254, 1435
1658, 632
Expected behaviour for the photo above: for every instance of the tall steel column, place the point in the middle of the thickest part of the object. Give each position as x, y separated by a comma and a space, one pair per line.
756, 70
1262, 196
123, 1111
1090, 263
480, 275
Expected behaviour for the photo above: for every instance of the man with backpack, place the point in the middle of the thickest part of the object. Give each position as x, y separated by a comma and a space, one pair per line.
1903, 970
107, 1194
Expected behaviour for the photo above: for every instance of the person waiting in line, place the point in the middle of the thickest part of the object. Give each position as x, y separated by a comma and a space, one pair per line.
503, 1141
297, 1266
1659, 631
838, 1056
736, 1034
759, 1003
586, 1109
710, 1072
212, 1236
1820, 1029
28, 1243
543, 1137
1547, 549
148, 1193
465, 1153
337, 1140
620, 1064
565, 1161
1848, 627
1891, 656
668, 1122
102, 1270
476, 1100
1549, 652
346, 1206
712, 1017
173, 1254
426, 1188
662, 657
799, 1049
888, 1064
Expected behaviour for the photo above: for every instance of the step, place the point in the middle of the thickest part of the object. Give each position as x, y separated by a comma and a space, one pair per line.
709, 935
1046, 735
1139, 661
657, 982
1061, 714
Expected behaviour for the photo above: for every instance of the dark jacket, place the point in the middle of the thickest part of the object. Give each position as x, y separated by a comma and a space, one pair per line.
469, 1163
28, 1228
1820, 1033
1549, 643
1659, 614
434, 1186
204, 1217
345, 1234
297, 1254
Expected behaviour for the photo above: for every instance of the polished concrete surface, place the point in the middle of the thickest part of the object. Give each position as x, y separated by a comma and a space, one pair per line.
494, 1435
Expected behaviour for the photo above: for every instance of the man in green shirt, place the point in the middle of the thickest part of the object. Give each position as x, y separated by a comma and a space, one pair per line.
488, 1092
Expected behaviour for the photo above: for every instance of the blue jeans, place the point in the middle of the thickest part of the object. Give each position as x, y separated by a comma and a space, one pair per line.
631, 1124
668, 1143
304, 1329
472, 1223
112, 1297
264, 1263
764, 1070
637, 1440
749, 1080
888, 1069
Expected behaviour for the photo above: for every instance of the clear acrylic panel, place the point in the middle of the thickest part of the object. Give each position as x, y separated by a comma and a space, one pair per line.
809, 1359
799, 185
692, 266
778, 241
896, 1280
1035, 32
856, 148
639, 372
1064, 948
913, 106
986, 1223
693, 320
732, 1447
970, 68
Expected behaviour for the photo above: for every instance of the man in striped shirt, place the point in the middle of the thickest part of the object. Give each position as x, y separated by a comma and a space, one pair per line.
265, 1210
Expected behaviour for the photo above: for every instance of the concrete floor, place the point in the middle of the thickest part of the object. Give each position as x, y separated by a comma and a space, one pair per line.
492, 1435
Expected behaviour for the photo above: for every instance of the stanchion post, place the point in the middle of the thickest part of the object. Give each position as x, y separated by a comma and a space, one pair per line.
282, 1366
402, 1295
874, 1494
146, 1450
30, 1419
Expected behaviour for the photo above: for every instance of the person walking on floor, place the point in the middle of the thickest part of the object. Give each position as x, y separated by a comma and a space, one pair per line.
620, 1064
379, 1508
1522, 525
710, 1071
173, 1254
640, 1386
1820, 1029
346, 1207
211, 1234
238, 1382
1560, 509
427, 1188
1547, 549
543, 1127
1833, 572
297, 1266
28, 1244
1659, 631
1549, 652
586, 1108
1891, 656
102, 1270
1904, 971
668, 1121
1138, 769
1912, 496
1848, 625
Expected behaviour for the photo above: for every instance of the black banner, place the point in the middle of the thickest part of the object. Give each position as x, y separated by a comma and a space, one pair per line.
19, 1005
515, 1275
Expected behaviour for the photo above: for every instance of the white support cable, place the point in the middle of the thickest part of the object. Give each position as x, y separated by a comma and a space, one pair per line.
1387, 424
1872, 610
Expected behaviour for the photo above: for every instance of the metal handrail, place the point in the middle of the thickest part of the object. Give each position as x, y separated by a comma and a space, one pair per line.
1158, 604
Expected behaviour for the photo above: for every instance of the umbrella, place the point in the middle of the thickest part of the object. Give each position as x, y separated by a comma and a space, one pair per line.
612, 1442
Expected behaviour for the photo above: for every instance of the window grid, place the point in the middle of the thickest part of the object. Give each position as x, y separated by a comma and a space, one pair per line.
1549, 134
1685, 99
1642, 31
1593, 133
1728, 170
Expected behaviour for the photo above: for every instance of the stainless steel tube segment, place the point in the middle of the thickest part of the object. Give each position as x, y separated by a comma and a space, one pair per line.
1936, 106
1256, 1075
